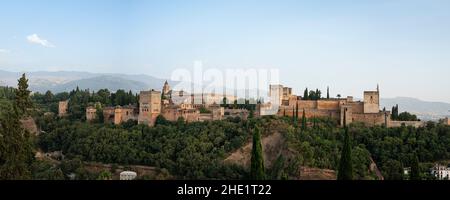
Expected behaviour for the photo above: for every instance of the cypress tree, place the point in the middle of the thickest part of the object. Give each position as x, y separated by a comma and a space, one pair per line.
293, 116
305, 94
345, 171
415, 170
314, 122
257, 160
23, 100
328, 92
304, 120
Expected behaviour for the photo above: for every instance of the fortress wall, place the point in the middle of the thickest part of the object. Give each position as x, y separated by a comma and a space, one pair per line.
128, 114
369, 119
327, 105
170, 114
191, 117
357, 107
310, 113
306, 104
415, 124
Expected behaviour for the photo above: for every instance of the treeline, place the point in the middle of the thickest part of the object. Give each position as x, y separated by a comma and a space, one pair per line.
80, 99
404, 116
7, 93
314, 95
248, 104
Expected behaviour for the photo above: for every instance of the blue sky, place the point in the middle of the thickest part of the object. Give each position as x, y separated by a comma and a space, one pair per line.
404, 45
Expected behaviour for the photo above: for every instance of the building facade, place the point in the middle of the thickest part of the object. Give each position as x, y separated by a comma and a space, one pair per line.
149, 107
63, 107
366, 111
441, 172
91, 114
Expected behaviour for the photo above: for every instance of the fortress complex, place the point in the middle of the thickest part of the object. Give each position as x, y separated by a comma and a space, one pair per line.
173, 105
366, 111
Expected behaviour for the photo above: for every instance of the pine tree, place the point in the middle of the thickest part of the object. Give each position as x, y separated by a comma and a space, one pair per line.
415, 170
257, 160
23, 101
16, 152
345, 171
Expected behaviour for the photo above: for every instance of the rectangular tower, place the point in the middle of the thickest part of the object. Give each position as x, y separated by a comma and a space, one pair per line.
149, 107
62, 108
371, 102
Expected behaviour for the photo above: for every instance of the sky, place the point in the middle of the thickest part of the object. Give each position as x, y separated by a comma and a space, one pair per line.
351, 46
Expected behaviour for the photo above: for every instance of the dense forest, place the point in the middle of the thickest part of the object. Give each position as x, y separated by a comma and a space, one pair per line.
197, 150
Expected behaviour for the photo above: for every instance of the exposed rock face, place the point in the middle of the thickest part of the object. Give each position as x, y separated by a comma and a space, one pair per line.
272, 147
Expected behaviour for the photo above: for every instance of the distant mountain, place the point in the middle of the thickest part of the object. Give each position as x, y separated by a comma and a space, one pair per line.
102, 82
61, 81
423, 109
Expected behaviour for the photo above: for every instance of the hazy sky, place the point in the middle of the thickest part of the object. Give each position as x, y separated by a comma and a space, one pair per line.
404, 45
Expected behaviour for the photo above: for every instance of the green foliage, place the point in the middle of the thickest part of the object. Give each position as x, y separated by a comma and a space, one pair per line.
104, 175
248, 104
305, 94
203, 110
16, 153
161, 120
7, 93
43, 170
191, 151
304, 127
277, 171
99, 113
415, 169
393, 170
80, 99
406, 116
22, 97
312, 95
394, 114
328, 92
257, 171
345, 171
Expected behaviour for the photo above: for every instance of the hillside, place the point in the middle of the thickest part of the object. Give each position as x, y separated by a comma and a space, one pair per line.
423, 109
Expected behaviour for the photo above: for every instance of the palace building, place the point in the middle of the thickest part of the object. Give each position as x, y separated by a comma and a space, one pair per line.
366, 111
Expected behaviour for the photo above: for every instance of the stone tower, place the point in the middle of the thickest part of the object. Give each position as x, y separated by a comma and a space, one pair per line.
149, 107
166, 89
62, 108
372, 101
